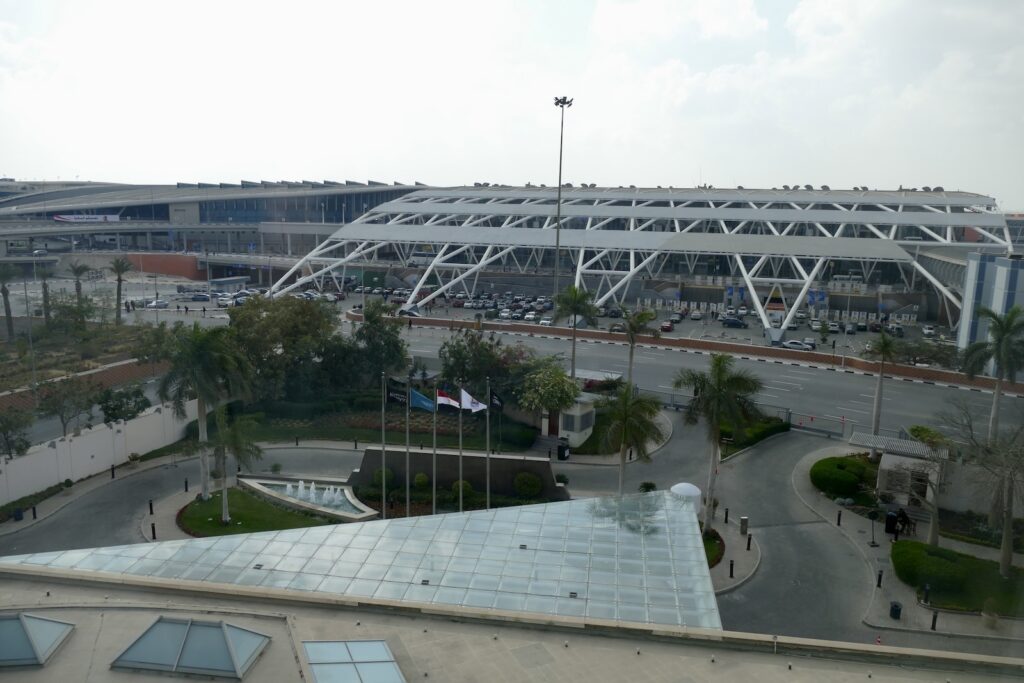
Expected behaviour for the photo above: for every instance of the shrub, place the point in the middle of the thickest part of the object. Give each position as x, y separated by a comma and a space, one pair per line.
647, 486
467, 488
387, 477
68, 483
755, 432
562, 479
276, 468
527, 485
828, 477
421, 481
918, 564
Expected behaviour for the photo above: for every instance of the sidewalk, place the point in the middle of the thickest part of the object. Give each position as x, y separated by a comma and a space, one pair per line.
857, 529
745, 562
165, 512
612, 460
54, 504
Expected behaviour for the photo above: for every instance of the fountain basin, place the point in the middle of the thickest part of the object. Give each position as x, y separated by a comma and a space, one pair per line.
323, 496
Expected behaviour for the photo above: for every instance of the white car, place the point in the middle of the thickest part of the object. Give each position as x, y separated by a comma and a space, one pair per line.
928, 330
833, 327
742, 310
696, 315
801, 315
225, 301
505, 314
816, 325
327, 296
796, 345
530, 316
157, 303
546, 321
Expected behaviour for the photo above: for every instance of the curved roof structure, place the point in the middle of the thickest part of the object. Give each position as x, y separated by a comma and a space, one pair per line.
615, 234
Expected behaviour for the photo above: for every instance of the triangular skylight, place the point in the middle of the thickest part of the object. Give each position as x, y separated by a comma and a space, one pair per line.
28, 640
639, 558
187, 646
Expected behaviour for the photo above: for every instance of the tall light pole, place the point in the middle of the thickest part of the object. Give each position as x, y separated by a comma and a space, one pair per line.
561, 103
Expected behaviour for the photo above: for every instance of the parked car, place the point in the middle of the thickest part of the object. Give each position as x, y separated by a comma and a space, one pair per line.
810, 341
612, 312
695, 315
816, 325
227, 300
730, 312
833, 327
801, 315
530, 316
793, 325
928, 330
617, 327
895, 329
850, 328
676, 317
874, 326
157, 303
546, 321
505, 314
668, 326
796, 345
735, 323
862, 326
200, 297
742, 311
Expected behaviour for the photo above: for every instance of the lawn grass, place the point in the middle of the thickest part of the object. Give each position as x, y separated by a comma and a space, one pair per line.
249, 513
958, 581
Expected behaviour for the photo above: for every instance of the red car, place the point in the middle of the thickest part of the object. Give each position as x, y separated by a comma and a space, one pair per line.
668, 326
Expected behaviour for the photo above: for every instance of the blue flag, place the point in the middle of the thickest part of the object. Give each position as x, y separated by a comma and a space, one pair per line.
420, 401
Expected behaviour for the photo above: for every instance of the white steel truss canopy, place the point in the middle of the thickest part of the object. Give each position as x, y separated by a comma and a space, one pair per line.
613, 235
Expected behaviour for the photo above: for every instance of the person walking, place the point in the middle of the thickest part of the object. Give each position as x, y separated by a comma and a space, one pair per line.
204, 311
186, 310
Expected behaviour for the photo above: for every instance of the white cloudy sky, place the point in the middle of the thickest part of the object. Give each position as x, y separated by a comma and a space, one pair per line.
667, 92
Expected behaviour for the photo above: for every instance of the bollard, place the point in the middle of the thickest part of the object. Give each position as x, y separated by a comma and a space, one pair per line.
150, 506
839, 518
726, 515
186, 485
296, 441
732, 564
935, 619
152, 529
355, 447
927, 593
749, 536
878, 582
744, 524
33, 512
111, 471
421, 445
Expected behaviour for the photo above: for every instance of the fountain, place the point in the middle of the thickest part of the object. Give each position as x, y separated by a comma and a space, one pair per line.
331, 497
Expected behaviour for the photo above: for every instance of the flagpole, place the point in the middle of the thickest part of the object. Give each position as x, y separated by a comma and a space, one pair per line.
460, 450
487, 454
408, 474
433, 474
383, 461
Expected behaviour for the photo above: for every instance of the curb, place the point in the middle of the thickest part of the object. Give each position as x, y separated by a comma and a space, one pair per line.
748, 577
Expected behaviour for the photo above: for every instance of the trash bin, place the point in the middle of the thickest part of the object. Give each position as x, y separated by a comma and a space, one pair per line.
563, 451
19, 514
895, 610
890, 522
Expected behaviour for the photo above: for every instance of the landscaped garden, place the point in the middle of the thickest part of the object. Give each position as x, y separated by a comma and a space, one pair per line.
972, 527
733, 441
958, 581
714, 547
850, 476
249, 513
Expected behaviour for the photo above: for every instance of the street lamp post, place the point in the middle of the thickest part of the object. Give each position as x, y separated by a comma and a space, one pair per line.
561, 103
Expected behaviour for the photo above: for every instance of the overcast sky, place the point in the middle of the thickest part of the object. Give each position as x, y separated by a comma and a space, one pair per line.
667, 92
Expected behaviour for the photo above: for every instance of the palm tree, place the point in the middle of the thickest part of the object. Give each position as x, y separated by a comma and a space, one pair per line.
721, 396
632, 425
884, 350
1004, 348
233, 439
7, 273
44, 273
209, 365
636, 326
78, 270
577, 305
119, 267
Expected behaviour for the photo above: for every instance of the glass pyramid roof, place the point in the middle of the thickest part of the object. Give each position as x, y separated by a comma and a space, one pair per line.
28, 640
639, 558
193, 647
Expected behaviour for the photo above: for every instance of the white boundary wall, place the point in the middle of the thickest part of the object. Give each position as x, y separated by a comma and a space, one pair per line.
93, 451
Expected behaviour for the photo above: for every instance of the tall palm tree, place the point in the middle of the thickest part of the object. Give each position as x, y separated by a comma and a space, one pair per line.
7, 273
44, 273
885, 351
632, 425
119, 267
577, 305
207, 364
1004, 348
78, 270
232, 439
722, 395
636, 326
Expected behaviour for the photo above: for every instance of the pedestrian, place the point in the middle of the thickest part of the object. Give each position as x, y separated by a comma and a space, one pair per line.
204, 311
410, 323
177, 308
186, 310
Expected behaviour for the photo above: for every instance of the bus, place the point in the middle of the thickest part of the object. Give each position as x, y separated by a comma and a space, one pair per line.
420, 259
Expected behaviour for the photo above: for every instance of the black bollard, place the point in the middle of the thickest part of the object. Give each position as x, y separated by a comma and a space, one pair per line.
726, 515
749, 536
421, 445
111, 471
296, 441
839, 518
935, 619
186, 486
549, 454
152, 530
33, 512
355, 446
878, 582
150, 506
732, 564
927, 593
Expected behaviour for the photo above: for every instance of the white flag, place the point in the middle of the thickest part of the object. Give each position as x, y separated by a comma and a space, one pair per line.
470, 403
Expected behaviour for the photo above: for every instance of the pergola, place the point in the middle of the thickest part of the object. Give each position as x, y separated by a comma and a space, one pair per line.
612, 236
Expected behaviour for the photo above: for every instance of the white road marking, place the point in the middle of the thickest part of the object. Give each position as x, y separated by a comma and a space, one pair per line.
871, 397
770, 395
769, 386
854, 410
795, 384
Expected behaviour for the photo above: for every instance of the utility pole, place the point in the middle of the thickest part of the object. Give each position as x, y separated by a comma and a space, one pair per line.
562, 103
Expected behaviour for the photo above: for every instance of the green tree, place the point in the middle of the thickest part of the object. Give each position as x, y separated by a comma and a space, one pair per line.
636, 326
380, 337
232, 438
67, 399
577, 305
78, 270
119, 267
14, 426
7, 274
470, 357
122, 404
1004, 349
632, 424
721, 396
44, 273
885, 351
547, 388
208, 365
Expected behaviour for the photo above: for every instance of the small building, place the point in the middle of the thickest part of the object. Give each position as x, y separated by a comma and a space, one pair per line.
577, 421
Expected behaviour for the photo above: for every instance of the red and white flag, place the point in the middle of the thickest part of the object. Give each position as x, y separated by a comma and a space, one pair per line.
444, 399
470, 403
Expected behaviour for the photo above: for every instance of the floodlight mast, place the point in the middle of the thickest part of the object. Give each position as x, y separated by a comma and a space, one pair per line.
561, 103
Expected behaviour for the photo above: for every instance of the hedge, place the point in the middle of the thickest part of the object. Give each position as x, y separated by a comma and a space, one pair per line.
756, 432
917, 564
835, 477
26, 502
527, 485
